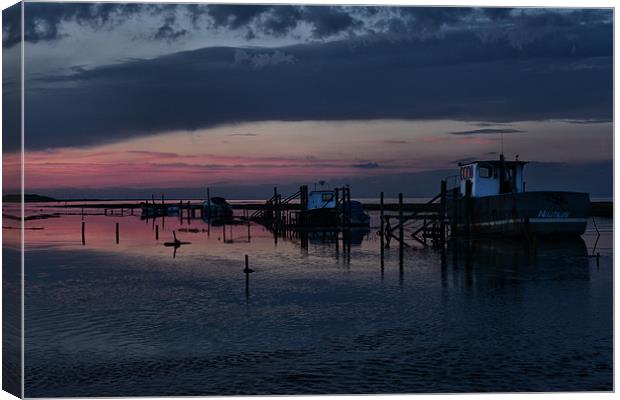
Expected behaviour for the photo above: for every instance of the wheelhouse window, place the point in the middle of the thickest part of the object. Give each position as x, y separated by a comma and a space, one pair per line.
327, 197
485, 171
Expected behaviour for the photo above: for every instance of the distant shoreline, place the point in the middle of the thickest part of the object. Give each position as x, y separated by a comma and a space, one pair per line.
597, 208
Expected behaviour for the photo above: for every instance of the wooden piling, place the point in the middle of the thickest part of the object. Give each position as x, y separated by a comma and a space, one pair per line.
224, 232
468, 206
382, 229
246, 271
401, 228
117, 233
348, 204
156, 232
83, 233
442, 212
455, 213
276, 211
208, 204
401, 231
338, 217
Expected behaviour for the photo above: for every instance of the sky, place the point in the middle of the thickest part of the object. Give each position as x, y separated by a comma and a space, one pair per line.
129, 99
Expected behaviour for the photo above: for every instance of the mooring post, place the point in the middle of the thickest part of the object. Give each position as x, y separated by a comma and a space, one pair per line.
442, 211
208, 204
83, 233
303, 195
348, 220
276, 214
117, 233
247, 272
401, 228
401, 234
224, 232
338, 211
468, 204
156, 232
382, 229
455, 213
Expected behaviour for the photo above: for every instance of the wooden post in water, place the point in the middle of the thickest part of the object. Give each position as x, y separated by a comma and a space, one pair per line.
224, 232
247, 271
83, 233
401, 230
156, 232
442, 212
338, 211
303, 195
382, 230
348, 219
276, 213
208, 204
455, 213
468, 203
117, 233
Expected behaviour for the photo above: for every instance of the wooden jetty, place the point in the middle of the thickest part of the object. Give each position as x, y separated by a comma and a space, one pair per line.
323, 209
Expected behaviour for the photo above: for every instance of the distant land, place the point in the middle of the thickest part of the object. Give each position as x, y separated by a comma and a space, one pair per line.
28, 198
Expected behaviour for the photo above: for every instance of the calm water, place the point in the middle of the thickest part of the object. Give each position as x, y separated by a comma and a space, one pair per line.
136, 318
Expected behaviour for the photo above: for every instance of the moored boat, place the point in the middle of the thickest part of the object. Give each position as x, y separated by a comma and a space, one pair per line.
324, 209
493, 201
216, 208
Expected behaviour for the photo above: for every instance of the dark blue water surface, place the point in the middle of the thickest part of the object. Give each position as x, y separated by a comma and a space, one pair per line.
107, 319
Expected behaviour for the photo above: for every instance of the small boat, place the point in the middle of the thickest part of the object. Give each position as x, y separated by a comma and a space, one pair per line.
324, 210
500, 205
216, 208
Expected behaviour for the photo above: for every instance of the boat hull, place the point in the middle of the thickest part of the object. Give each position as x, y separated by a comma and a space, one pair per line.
542, 213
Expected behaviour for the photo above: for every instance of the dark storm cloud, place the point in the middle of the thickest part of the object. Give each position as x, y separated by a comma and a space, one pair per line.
168, 32
489, 131
43, 21
458, 76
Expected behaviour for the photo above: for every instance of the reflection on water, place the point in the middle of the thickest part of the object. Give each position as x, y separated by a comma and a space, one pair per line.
323, 314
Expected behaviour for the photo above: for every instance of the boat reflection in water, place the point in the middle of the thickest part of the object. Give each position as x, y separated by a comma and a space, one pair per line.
353, 236
487, 264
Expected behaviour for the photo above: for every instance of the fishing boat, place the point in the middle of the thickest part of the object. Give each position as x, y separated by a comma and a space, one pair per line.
325, 210
216, 208
494, 201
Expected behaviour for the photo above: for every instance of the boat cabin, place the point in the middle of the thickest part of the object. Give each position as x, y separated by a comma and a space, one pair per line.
319, 199
492, 177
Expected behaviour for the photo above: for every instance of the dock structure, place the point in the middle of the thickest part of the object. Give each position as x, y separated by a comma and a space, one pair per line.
429, 224
295, 211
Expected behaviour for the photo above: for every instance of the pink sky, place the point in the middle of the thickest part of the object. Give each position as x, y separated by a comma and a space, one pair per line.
284, 152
